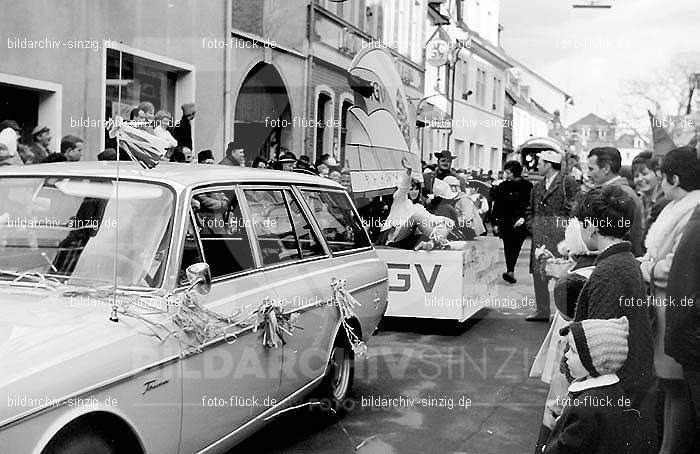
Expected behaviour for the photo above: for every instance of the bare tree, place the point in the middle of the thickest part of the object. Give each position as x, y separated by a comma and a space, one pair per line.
664, 93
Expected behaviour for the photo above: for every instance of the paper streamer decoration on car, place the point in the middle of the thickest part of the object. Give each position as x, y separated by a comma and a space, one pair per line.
346, 303
274, 323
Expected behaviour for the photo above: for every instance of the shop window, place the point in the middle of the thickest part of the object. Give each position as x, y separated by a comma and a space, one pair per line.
141, 80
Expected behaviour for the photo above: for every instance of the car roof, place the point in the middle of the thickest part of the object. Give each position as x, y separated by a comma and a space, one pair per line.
175, 174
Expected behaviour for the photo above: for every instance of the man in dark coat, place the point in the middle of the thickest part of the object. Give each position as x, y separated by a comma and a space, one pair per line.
546, 216
234, 156
444, 168
182, 132
683, 318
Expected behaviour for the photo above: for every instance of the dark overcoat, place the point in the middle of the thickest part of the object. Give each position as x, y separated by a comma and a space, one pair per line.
548, 213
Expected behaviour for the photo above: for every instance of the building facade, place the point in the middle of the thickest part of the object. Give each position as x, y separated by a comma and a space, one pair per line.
338, 31
476, 97
589, 132
61, 65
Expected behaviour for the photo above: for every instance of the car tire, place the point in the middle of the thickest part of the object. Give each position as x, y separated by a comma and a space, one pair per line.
335, 388
82, 443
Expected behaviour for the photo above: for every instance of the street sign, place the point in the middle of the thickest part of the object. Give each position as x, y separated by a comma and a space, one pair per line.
437, 52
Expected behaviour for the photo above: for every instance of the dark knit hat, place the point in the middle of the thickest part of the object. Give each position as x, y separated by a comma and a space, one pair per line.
108, 154
601, 344
203, 155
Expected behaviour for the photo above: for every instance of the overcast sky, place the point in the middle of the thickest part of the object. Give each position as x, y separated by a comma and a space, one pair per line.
590, 53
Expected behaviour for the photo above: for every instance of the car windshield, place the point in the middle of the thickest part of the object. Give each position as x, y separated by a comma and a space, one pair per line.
79, 229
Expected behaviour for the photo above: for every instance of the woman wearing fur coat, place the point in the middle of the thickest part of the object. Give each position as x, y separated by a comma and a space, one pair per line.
681, 185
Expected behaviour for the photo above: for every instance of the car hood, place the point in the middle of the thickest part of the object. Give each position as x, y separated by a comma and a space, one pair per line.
71, 340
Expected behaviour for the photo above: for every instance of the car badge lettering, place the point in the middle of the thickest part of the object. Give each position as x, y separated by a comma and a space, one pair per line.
153, 384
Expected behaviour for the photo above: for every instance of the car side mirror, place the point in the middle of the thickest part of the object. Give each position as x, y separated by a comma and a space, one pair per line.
199, 277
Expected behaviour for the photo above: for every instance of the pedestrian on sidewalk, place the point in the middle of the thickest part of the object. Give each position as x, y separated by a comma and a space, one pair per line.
616, 288
682, 341
510, 201
597, 418
647, 182
550, 205
680, 182
604, 169
566, 292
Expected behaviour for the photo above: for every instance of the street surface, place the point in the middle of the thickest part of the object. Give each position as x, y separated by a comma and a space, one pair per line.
428, 388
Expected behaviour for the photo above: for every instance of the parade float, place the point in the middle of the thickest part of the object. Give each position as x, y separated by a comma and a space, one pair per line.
454, 282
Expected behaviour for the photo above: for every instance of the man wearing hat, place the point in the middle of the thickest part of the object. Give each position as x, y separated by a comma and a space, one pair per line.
287, 161
444, 168
40, 146
234, 156
205, 157
550, 205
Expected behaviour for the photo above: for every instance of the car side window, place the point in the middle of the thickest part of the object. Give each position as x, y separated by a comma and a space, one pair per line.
191, 253
222, 231
283, 232
341, 226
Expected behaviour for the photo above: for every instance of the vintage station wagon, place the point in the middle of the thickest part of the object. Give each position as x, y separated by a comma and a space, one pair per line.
132, 303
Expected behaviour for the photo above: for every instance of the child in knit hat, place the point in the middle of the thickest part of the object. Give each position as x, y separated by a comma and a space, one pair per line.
597, 417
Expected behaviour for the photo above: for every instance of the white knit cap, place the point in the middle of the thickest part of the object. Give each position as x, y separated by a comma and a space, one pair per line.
602, 344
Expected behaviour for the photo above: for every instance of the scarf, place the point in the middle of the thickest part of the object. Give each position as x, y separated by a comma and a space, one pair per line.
673, 217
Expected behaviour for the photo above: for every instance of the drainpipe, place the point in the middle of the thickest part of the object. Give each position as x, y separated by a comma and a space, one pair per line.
307, 72
228, 118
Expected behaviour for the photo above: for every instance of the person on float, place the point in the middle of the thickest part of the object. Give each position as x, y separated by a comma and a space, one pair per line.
469, 221
409, 222
443, 169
